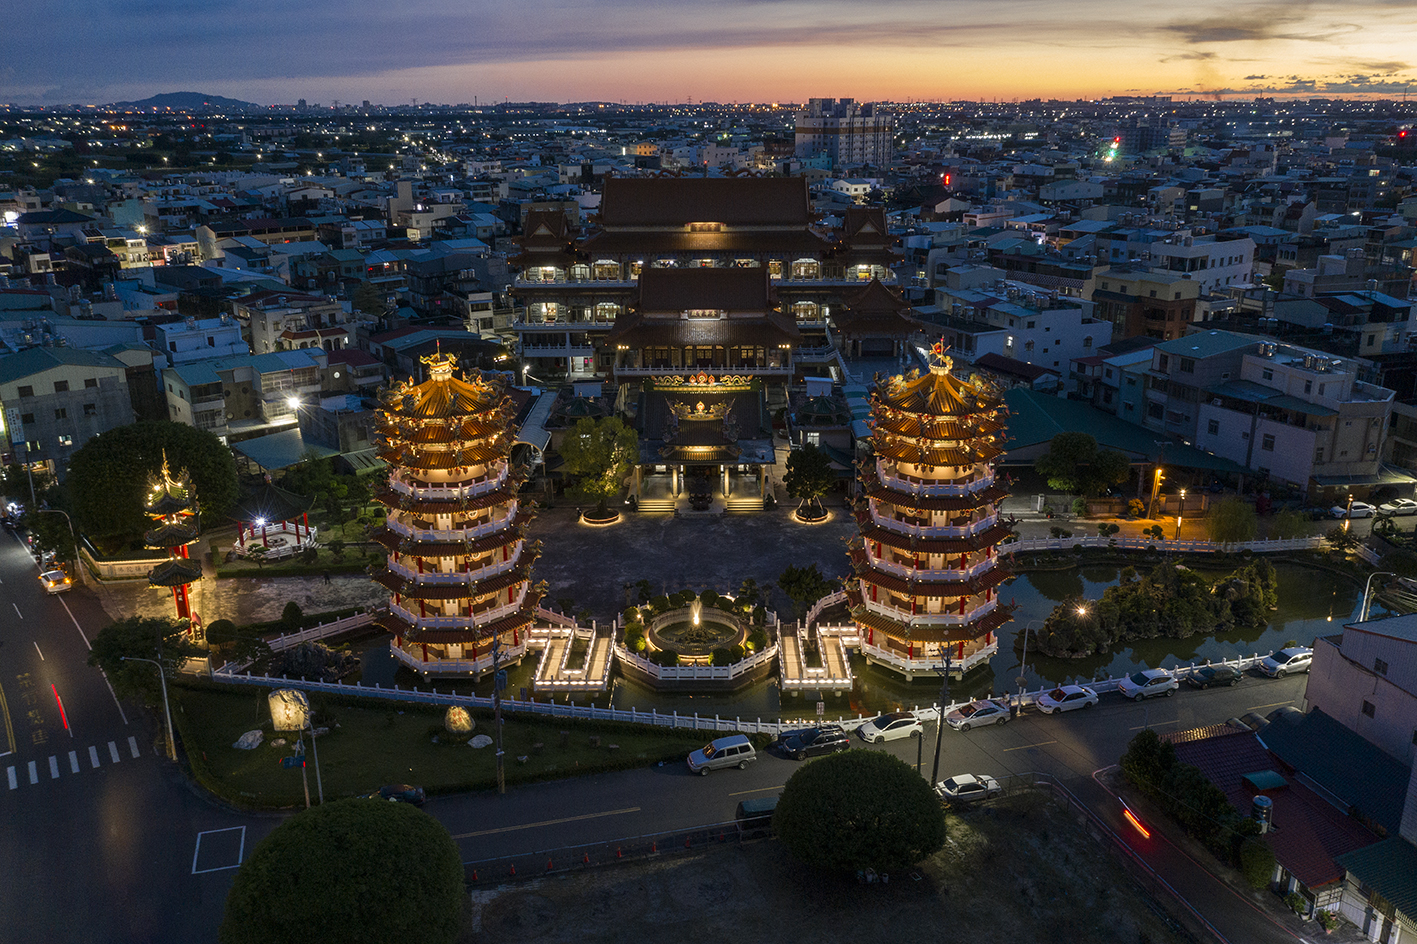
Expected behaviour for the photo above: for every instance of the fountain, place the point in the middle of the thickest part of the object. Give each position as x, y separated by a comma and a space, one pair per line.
695, 609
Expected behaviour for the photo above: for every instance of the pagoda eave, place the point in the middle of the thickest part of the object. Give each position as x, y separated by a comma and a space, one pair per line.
926, 632
871, 531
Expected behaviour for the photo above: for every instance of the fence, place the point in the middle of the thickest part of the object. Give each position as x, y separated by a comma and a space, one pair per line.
320, 631
1139, 543
686, 673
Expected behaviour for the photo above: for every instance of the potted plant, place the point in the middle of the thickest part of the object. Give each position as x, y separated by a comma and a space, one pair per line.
1328, 920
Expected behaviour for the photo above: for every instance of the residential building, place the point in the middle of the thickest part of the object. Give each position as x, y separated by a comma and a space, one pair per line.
55, 399
191, 339
846, 132
1140, 302
245, 395
283, 321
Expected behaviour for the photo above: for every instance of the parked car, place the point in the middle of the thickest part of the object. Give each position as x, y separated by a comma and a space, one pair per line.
828, 739
1399, 506
1214, 675
968, 788
754, 817
978, 713
55, 581
1358, 510
400, 793
1148, 683
1285, 661
1067, 698
732, 751
889, 727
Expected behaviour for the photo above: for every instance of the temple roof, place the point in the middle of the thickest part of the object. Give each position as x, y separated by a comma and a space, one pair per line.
171, 535
443, 395
918, 632
937, 392
725, 289
876, 310
174, 572
438, 549
678, 201
518, 621
874, 489
909, 542
496, 583
926, 587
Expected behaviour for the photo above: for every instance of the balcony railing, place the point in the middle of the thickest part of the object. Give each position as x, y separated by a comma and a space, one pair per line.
456, 578
521, 282
932, 619
927, 573
480, 615
933, 531
478, 486
918, 486
589, 324
453, 534
485, 663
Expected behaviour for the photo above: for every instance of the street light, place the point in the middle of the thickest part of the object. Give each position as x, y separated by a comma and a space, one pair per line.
1367, 588
1348, 512
162, 677
1023, 663
72, 536
940, 720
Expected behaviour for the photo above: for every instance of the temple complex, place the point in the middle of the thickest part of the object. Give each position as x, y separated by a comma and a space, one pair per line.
459, 563
171, 503
924, 593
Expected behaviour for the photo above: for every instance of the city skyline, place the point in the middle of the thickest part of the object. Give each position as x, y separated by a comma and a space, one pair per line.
729, 50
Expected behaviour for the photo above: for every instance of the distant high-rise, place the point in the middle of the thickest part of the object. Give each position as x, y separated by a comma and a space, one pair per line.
846, 132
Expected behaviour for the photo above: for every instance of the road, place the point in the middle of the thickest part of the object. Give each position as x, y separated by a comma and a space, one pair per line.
106, 841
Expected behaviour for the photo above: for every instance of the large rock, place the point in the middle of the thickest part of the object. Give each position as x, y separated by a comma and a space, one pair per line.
458, 721
249, 741
479, 741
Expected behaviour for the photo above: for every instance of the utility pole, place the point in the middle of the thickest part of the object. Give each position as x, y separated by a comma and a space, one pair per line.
940, 722
499, 681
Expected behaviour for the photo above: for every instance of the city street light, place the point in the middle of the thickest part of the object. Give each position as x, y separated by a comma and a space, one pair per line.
1367, 589
72, 536
940, 720
1180, 510
162, 677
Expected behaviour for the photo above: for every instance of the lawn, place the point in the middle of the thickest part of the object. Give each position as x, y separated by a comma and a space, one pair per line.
375, 744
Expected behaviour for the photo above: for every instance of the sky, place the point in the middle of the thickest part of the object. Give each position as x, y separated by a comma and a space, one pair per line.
452, 51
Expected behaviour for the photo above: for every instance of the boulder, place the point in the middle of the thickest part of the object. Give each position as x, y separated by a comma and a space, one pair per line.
480, 741
458, 721
249, 741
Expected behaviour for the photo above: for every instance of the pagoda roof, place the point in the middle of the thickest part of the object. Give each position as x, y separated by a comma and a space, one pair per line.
443, 395
926, 587
446, 506
920, 632
446, 430
678, 201
175, 572
930, 452
412, 589
874, 489
270, 503
990, 536
411, 456
937, 392
924, 426
171, 535
517, 621
437, 549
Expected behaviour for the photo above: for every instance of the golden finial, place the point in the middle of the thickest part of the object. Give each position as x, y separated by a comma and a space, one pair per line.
940, 362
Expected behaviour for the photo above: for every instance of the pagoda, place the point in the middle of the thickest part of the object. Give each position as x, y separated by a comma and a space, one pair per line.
924, 594
171, 503
459, 563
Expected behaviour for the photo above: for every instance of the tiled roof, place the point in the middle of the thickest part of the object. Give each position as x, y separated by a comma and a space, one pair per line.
1390, 868
1309, 832
674, 201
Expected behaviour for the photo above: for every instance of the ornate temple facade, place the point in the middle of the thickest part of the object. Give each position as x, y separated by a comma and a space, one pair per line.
576, 283
925, 590
171, 503
459, 563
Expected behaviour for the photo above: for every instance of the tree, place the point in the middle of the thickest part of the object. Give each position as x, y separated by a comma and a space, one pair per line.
352, 871
368, 299
809, 475
1256, 861
17, 482
141, 637
804, 586
225, 639
1288, 524
1075, 465
1231, 521
859, 810
51, 533
310, 476
108, 476
601, 453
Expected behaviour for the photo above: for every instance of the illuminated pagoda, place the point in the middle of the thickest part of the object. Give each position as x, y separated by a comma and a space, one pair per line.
926, 562
171, 503
459, 563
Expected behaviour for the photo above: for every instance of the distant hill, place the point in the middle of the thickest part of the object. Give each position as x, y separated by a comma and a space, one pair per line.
191, 101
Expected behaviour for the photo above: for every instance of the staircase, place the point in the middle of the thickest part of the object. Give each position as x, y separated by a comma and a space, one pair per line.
662, 506
745, 505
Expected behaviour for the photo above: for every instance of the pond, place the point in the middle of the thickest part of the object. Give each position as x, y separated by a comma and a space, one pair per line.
1312, 603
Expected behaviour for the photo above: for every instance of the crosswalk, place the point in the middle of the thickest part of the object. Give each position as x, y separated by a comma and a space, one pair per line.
30, 773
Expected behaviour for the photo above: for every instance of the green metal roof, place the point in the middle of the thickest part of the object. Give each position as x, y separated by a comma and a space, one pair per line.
280, 450
1390, 868
1207, 343
37, 360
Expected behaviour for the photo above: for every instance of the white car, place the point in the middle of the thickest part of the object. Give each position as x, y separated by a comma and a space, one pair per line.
966, 788
1399, 506
1148, 683
1067, 698
897, 724
978, 713
1286, 661
1358, 510
55, 581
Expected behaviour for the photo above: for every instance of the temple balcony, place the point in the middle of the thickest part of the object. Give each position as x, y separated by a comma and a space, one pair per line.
911, 572
914, 485
398, 526
478, 486
560, 279
416, 657
543, 348
963, 656
563, 325
975, 608
912, 527
482, 613
457, 577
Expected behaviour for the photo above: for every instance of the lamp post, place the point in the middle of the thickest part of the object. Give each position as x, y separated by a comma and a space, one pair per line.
1348, 512
72, 536
1023, 663
1367, 589
1180, 510
940, 721
162, 677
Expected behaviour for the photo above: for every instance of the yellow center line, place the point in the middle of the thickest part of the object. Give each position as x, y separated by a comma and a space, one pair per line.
1026, 746
758, 790
549, 822
9, 728
1275, 705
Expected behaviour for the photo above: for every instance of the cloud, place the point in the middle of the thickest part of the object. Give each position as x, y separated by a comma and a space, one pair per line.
1255, 78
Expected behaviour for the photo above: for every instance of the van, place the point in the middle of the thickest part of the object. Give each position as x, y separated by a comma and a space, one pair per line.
732, 751
754, 817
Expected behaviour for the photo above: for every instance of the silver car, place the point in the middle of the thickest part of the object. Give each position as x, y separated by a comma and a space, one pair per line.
1286, 661
732, 751
978, 713
967, 788
1148, 683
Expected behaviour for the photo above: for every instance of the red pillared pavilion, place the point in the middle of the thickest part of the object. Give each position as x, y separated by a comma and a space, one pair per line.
171, 503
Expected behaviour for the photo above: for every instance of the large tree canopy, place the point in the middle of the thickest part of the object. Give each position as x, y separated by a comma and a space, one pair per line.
859, 810
600, 453
349, 872
1075, 465
108, 476
809, 474
141, 637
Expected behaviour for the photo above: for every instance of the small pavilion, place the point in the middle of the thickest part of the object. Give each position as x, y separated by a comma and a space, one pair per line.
172, 505
276, 519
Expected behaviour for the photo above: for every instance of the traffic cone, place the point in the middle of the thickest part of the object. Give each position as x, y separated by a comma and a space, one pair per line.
686, 843
654, 847
618, 853
548, 865
474, 875
514, 868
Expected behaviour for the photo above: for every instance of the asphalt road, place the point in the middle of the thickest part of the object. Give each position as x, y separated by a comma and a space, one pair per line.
106, 841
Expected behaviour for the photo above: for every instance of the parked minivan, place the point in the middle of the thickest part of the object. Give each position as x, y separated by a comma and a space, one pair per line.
732, 751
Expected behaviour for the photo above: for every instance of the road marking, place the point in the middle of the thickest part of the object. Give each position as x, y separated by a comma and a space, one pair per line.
240, 850
113, 751
14, 781
1024, 747
53, 767
9, 727
758, 790
17, 610
73, 762
36, 649
133, 745
549, 822
93, 756
1154, 724
34, 773
1275, 705
76, 624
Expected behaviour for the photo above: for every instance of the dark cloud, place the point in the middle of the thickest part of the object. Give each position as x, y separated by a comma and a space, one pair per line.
1255, 78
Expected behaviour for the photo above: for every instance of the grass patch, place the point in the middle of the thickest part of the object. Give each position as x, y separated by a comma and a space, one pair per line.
376, 743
